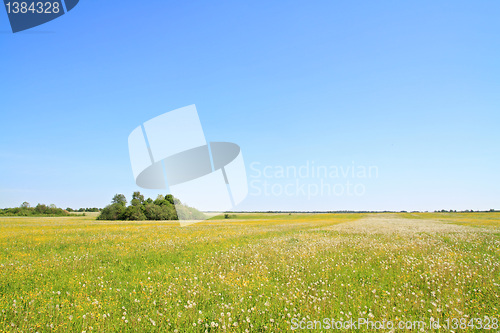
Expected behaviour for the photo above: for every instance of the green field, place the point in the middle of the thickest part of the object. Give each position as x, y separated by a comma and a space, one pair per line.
250, 273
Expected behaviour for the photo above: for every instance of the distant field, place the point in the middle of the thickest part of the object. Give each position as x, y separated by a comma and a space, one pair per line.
91, 214
470, 219
249, 273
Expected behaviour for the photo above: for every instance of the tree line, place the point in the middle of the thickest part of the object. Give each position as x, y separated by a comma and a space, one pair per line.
164, 207
83, 210
39, 210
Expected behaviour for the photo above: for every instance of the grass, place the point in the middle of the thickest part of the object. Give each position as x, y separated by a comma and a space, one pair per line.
90, 214
256, 272
468, 219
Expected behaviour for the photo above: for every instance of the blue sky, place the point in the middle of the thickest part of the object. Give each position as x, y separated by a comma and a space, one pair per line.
411, 88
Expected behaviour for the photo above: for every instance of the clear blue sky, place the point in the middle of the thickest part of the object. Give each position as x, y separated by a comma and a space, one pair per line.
412, 88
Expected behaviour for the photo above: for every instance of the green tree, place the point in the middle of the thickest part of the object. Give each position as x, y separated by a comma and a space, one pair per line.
41, 208
137, 199
160, 200
119, 199
115, 211
170, 198
134, 213
155, 212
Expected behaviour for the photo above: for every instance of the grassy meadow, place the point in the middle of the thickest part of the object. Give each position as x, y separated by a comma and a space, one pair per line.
251, 273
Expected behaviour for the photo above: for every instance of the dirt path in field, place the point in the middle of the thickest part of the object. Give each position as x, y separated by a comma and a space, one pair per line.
394, 224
